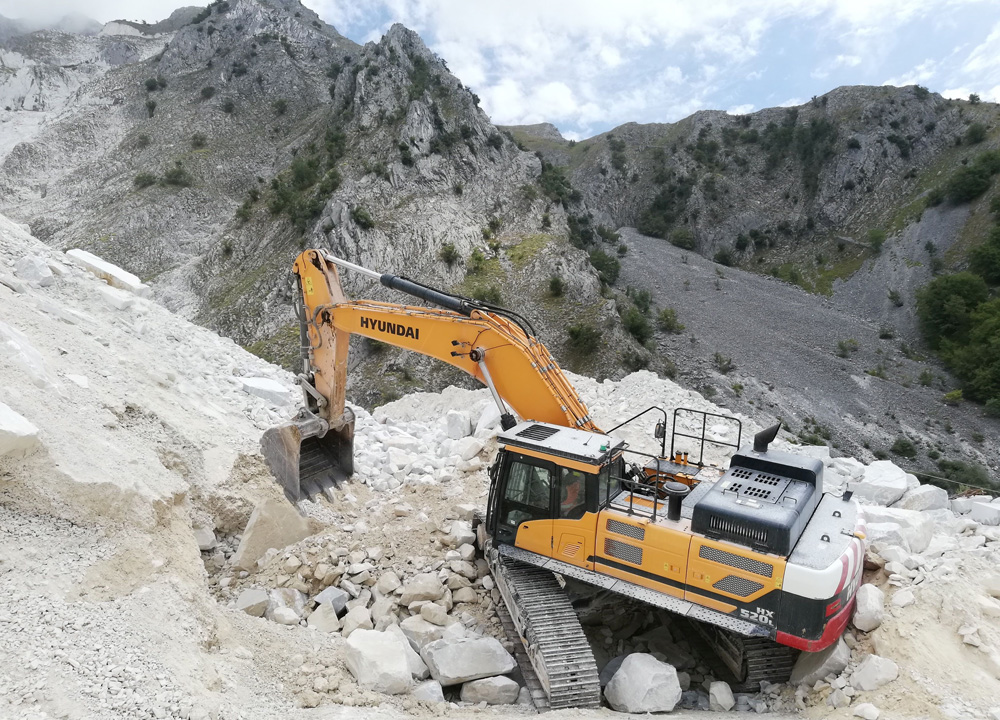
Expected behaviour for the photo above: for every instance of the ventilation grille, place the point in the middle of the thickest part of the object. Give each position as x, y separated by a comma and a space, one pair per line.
735, 585
623, 551
571, 550
751, 491
741, 473
737, 561
538, 432
734, 529
633, 531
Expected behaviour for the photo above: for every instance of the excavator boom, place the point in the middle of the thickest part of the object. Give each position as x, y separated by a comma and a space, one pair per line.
315, 451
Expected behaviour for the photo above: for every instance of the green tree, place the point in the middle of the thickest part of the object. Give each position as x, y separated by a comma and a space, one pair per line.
945, 306
636, 324
975, 134
607, 266
667, 320
876, 238
985, 259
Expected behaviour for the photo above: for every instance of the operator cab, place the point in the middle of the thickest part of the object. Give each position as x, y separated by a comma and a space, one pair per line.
546, 472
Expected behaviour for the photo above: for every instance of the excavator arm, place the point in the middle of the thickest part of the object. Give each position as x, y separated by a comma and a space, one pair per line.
315, 451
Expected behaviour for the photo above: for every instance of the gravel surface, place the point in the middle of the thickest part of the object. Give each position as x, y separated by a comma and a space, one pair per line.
783, 343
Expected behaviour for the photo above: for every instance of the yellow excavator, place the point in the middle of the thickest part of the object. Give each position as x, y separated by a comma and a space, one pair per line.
762, 561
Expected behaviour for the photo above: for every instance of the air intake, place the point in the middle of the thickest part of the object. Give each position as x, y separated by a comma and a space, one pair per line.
538, 432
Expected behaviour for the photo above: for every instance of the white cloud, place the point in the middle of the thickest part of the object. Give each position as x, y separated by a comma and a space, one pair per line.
791, 102
741, 109
920, 75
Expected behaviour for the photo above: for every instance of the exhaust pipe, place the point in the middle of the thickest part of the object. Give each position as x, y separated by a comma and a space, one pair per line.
308, 457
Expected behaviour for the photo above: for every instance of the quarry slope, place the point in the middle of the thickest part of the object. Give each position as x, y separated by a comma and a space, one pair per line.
129, 471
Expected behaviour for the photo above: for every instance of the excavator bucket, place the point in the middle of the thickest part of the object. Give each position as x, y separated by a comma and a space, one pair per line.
306, 463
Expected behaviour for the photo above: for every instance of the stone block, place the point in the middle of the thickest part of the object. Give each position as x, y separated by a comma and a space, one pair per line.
458, 424
378, 662
34, 270
874, 672
643, 684
108, 272
925, 497
253, 601
453, 662
869, 610
324, 618
812, 667
883, 483
720, 697
266, 389
497, 690
273, 524
18, 437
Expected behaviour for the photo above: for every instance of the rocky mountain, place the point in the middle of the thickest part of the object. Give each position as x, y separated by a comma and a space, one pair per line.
204, 151
216, 151
858, 197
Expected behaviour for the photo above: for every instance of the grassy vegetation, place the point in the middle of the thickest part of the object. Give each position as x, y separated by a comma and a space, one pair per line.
281, 348
526, 250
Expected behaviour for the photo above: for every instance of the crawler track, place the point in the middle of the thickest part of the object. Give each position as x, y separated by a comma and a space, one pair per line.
563, 670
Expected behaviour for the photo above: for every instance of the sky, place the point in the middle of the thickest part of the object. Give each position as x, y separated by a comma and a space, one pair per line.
589, 65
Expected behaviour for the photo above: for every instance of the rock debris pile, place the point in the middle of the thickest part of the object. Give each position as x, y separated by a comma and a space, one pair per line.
150, 568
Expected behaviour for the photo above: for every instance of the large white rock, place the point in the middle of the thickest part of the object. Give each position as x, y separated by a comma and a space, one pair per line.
812, 667
874, 672
846, 467
111, 274
428, 691
265, 388
720, 697
917, 527
457, 661
882, 535
461, 533
883, 483
961, 505
118, 299
497, 690
324, 618
284, 616
418, 668
334, 596
643, 684
425, 586
289, 598
378, 662
925, 497
869, 609
35, 270
468, 447
985, 514
420, 632
253, 601
866, 711
273, 524
458, 424
18, 437
357, 618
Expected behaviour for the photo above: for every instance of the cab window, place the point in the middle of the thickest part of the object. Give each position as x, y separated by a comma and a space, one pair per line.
572, 493
609, 481
527, 493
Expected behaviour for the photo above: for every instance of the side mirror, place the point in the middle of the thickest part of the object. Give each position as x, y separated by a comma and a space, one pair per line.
660, 432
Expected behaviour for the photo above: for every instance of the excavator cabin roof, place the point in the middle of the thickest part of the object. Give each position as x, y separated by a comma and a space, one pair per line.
580, 446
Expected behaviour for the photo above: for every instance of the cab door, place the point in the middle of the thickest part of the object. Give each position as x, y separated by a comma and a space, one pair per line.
524, 503
575, 525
